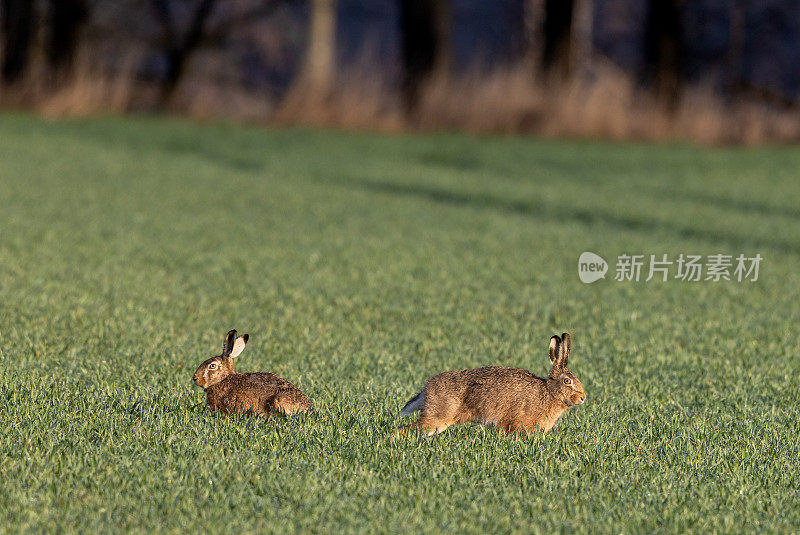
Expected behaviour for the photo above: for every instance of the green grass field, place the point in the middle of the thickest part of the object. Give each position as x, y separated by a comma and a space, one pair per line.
360, 265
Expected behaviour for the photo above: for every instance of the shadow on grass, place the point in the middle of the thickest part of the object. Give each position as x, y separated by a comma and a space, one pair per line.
724, 203
541, 210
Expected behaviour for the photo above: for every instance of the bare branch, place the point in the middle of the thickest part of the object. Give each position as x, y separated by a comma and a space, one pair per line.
223, 28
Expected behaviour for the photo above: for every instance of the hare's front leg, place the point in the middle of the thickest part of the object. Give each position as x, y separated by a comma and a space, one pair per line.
220, 409
515, 428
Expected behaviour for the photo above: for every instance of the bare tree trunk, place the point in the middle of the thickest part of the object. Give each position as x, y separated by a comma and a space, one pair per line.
534, 15
180, 50
425, 27
582, 35
664, 50
557, 48
17, 33
321, 56
559, 36
443, 19
737, 30
66, 18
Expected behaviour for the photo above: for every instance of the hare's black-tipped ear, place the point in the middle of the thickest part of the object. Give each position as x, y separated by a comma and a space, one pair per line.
238, 345
555, 342
559, 353
228, 347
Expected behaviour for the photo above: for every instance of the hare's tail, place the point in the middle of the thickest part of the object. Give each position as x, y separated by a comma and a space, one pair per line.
414, 404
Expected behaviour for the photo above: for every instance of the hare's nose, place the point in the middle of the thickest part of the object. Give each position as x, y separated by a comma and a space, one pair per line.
583, 399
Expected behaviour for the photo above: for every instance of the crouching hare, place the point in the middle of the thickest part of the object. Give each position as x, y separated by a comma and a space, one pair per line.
228, 391
512, 399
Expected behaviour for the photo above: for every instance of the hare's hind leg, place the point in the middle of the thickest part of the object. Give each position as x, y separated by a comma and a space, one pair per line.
436, 413
290, 403
427, 425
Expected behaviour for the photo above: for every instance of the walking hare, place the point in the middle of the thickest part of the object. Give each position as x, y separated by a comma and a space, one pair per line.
512, 399
228, 391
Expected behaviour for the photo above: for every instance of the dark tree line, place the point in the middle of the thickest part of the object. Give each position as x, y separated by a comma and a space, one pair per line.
180, 42
20, 24
425, 30
183, 27
663, 50
179, 36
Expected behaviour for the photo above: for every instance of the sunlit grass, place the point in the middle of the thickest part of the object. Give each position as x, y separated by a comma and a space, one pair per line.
360, 265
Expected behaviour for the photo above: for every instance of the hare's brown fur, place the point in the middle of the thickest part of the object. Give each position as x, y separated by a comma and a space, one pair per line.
512, 399
231, 392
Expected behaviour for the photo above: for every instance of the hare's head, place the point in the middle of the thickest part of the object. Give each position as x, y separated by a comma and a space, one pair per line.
562, 383
218, 368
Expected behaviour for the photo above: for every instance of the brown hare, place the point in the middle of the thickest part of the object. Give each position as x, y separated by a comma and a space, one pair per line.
512, 399
231, 392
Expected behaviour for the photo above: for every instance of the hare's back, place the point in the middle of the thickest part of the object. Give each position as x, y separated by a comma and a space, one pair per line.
482, 381
264, 382
488, 375
284, 394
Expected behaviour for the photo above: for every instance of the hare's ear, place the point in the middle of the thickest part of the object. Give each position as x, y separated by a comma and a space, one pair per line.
238, 345
555, 342
228, 346
566, 346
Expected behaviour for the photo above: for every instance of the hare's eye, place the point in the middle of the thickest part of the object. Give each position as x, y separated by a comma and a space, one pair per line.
567, 381
212, 366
